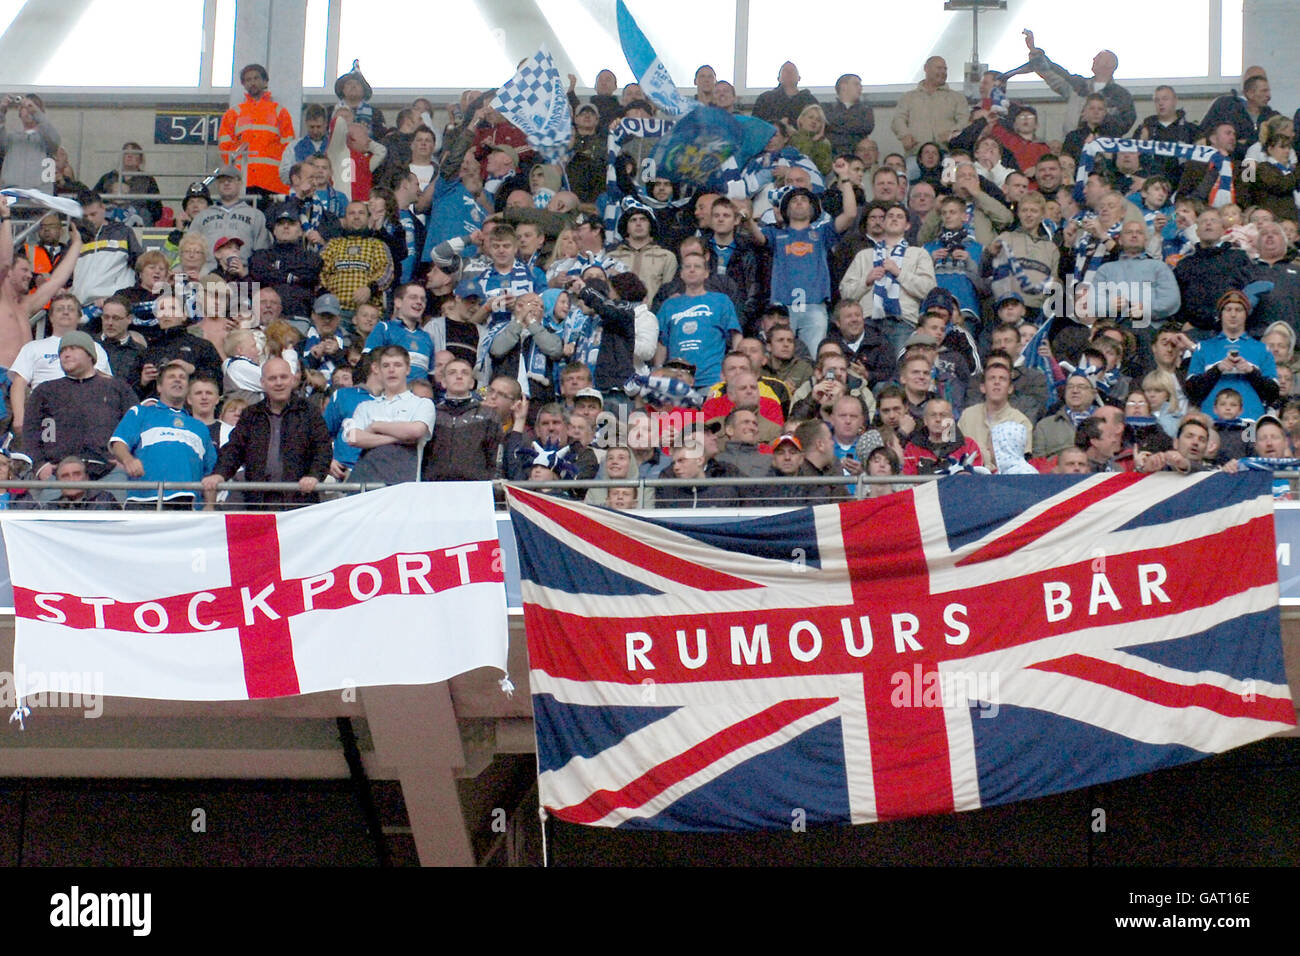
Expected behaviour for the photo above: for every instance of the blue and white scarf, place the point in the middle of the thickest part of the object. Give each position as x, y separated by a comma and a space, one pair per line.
1090, 252
1281, 486
535, 364
583, 332
758, 172
484, 367
887, 289
1183, 152
1006, 265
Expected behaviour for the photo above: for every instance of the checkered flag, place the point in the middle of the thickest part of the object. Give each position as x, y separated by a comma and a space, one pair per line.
534, 101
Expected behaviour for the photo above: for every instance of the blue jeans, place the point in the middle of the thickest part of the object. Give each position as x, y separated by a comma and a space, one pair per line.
810, 323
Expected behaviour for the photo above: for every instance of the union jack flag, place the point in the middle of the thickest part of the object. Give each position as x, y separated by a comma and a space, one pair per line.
976, 641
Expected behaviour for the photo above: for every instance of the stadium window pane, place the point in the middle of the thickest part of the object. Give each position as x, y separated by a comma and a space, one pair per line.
313, 49
478, 48
777, 32
1072, 41
824, 51
92, 50
1230, 42
588, 35
8, 10
465, 51
223, 45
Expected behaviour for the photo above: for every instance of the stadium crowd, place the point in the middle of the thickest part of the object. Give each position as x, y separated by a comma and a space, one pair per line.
437, 302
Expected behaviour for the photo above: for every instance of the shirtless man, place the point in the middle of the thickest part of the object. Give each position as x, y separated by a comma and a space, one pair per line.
17, 305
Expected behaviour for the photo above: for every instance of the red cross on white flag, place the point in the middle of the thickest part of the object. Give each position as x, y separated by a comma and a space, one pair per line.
398, 586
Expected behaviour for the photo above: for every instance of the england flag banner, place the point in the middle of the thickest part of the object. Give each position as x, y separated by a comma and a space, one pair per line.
975, 641
397, 586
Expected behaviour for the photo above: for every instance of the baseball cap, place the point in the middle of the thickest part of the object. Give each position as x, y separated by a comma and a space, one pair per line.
327, 304
682, 364
590, 393
920, 338
80, 340
468, 289
1008, 297
282, 212
226, 241
198, 189
786, 440
586, 107
230, 170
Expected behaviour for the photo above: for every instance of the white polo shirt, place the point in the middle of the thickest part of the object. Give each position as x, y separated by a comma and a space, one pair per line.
406, 407
38, 361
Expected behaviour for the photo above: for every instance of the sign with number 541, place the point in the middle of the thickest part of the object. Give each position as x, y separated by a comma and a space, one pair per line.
185, 127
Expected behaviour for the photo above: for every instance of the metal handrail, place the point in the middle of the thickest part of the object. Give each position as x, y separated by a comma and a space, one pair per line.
290, 487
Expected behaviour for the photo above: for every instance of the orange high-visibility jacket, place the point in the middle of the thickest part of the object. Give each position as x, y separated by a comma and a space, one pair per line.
266, 127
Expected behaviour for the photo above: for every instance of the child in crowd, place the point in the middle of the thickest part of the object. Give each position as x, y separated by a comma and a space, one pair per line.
1229, 424
956, 254
1178, 238
622, 499
1153, 202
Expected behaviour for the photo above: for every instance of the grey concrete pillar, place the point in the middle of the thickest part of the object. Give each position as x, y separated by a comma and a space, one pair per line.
271, 32
1268, 37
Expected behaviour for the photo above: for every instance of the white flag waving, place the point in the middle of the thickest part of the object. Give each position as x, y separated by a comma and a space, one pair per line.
68, 207
534, 101
397, 586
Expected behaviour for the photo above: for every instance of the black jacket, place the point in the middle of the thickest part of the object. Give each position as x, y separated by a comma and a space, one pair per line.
124, 358
1074, 140
743, 269
305, 449
1199, 387
294, 272
1282, 303
1231, 108
617, 339
139, 183
1181, 130
1198, 180
705, 495
464, 443
1205, 275
774, 105
845, 125
177, 343
68, 416
814, 493
873, 352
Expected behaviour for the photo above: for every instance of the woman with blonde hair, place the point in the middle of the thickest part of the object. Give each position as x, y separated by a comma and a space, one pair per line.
1161, 390
566, 247
191, 254
809, 137
214, 321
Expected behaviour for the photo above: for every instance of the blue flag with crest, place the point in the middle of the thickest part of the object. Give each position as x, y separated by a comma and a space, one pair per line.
709, 147
649, 69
